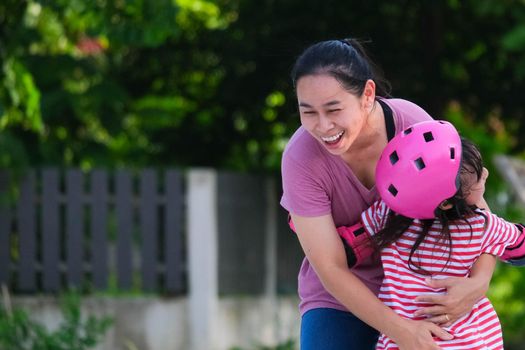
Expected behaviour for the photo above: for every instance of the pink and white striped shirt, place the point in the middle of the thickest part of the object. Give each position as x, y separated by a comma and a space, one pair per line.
483, 233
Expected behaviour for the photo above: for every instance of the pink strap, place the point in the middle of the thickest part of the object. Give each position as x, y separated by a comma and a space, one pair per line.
517, 251
358, 238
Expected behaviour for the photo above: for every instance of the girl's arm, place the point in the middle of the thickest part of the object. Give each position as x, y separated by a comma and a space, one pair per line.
324, 250
462, 293
515, 254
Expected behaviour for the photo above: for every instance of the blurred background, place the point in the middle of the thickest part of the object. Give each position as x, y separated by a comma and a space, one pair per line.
193, 84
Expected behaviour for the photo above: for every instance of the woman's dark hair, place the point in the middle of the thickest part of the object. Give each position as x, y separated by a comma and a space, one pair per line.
346, 60
396, 225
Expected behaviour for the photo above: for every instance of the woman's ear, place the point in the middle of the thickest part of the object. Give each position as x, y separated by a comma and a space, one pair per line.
445, 205
369, 93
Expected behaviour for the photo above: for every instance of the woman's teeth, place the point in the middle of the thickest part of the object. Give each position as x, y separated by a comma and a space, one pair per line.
334, 138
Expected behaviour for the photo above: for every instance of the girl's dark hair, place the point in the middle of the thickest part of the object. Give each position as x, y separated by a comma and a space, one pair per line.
396, 225
346, 60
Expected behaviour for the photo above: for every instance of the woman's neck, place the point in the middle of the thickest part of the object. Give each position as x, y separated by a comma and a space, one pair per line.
363, 155
371, 141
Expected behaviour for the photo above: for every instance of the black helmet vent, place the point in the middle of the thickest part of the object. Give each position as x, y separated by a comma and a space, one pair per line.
428, 136
394, 157
392, 190
420, 164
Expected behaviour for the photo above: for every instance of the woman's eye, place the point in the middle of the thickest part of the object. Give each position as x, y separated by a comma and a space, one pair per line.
334, 110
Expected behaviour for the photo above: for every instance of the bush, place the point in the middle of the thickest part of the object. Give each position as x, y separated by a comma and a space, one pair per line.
19, 332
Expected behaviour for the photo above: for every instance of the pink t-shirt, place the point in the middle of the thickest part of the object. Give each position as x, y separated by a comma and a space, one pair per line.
317, 183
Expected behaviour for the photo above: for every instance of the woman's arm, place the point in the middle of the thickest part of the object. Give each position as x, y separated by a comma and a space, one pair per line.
462, 293
324, 250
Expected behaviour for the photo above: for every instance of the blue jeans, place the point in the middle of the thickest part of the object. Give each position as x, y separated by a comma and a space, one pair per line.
330, 329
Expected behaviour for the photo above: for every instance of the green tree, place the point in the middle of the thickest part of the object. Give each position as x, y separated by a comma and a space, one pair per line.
179, 82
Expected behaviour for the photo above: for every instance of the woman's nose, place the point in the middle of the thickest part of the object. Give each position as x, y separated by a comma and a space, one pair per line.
325, 123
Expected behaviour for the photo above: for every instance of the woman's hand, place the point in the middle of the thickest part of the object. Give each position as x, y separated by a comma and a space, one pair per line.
461, 293
447, 308
418, 335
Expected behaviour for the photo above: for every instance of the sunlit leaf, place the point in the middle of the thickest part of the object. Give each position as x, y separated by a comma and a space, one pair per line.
515, 39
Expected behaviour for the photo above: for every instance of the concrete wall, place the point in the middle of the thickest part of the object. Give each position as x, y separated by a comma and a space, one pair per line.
163, 324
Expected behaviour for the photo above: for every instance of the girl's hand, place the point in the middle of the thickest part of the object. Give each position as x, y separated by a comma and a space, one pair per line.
418, 335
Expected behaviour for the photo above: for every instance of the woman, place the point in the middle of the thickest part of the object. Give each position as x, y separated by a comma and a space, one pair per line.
328, 180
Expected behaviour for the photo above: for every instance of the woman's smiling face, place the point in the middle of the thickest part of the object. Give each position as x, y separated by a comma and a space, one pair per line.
331, 114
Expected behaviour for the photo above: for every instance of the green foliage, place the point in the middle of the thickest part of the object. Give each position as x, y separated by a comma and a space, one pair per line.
506, 293
86, 83
19, 332
205, 82
22, 95
286, 345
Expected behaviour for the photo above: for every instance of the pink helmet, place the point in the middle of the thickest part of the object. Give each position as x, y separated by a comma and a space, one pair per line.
419, 168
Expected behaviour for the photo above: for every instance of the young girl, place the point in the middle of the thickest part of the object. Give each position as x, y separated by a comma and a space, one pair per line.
427, 225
